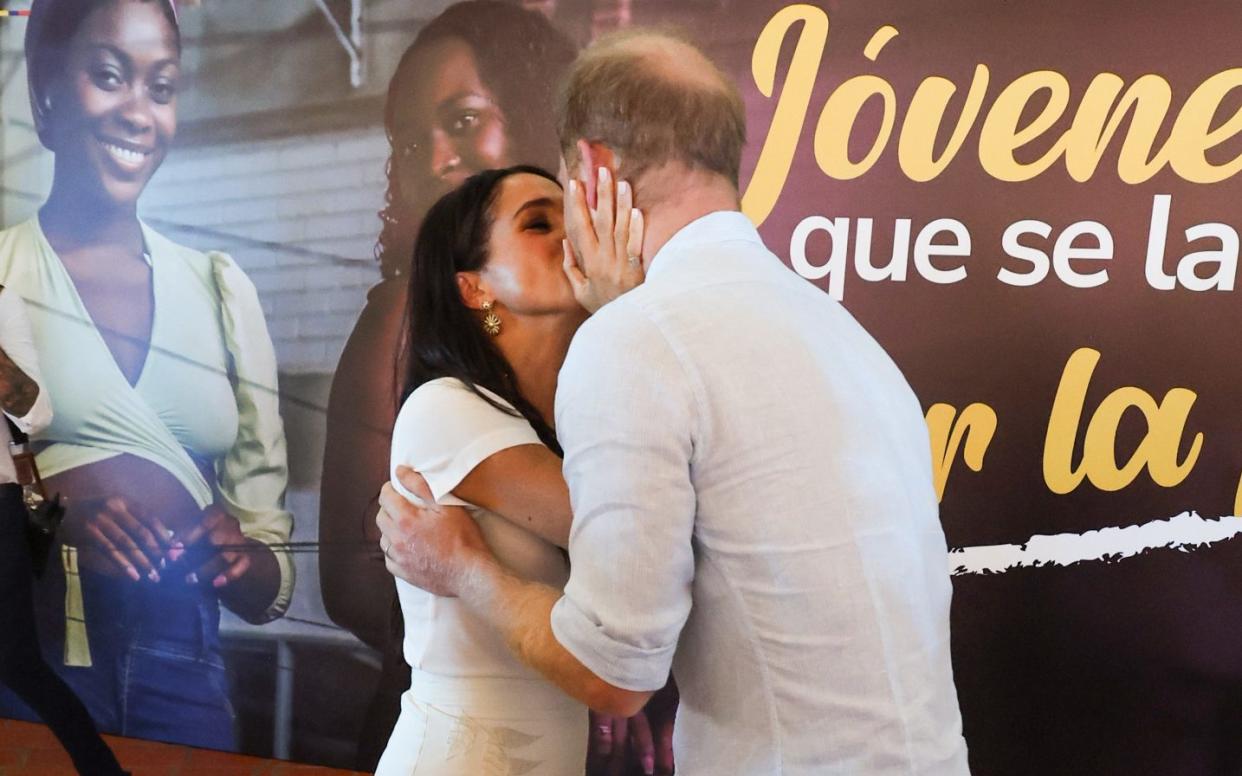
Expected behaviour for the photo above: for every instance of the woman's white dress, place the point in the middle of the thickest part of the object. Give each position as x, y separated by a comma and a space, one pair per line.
472, 708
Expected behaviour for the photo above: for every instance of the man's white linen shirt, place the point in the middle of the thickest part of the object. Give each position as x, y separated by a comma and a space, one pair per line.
752, 491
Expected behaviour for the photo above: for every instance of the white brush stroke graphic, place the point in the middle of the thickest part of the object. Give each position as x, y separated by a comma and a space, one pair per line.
1184, 532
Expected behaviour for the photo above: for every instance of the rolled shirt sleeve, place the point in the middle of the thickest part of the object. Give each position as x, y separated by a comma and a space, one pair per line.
18, 343
626, 417
253, 475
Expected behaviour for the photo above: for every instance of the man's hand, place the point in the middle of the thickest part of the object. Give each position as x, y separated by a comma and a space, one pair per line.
603, 246
441, 550
430, 546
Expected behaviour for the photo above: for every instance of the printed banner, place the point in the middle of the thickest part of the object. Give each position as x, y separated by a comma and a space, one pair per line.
1031, 206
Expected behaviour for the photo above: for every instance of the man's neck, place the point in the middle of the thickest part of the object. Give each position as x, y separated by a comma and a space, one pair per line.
674, 196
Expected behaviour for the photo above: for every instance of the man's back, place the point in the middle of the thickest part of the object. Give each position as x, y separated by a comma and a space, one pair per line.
818, 637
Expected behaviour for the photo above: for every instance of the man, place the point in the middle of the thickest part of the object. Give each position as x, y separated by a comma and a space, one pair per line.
22, 668
750, 474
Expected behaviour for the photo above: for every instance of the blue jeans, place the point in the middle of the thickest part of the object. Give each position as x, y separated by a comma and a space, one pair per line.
157, 670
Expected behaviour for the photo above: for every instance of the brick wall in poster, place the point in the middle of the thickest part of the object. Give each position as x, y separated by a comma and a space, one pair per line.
298, 215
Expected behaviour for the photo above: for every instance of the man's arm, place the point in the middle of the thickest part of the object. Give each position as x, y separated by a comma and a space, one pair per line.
522, 612
18, 390
628, 435
441, 549
20, 395
628, 418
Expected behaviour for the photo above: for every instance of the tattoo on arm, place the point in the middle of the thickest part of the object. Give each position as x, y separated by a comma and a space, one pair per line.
17, 391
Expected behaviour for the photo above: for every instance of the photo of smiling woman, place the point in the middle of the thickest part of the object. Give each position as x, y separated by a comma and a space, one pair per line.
166, 439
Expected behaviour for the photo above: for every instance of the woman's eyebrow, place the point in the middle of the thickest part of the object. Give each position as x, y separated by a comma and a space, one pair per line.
109, 48
463, 94
126, 59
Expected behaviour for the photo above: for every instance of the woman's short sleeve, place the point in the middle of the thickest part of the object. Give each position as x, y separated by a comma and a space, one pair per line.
444, 430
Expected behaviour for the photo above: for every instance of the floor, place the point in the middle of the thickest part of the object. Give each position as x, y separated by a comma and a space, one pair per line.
30, 750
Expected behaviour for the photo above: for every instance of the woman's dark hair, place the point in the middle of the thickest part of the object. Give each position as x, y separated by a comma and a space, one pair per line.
50, 30
443, 337
521, 59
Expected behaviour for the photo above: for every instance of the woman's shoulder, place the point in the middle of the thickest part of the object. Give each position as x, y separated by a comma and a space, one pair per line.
208, 265
445, 429
213, 272
162, 247
378, 327
451, 392
447, 403
388, 294
157, 241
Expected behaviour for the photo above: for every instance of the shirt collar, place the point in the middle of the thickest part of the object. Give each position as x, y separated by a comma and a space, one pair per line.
147, 233
716, 227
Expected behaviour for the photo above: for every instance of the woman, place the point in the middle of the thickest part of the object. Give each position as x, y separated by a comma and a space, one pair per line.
473, 91
166, 439
490, 317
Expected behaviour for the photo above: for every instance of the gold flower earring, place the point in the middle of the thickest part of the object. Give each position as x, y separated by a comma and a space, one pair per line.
491, 321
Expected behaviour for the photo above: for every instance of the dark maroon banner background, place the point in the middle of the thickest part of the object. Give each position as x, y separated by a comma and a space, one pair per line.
1126, 667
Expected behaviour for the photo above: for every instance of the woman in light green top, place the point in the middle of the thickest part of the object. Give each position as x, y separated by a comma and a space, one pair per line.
167, 439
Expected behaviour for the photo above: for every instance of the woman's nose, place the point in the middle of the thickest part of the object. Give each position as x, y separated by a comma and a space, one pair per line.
444, 156
135, 114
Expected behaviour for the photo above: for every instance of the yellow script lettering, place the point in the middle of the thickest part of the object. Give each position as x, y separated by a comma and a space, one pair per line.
772, 169
1166, 424
976, 426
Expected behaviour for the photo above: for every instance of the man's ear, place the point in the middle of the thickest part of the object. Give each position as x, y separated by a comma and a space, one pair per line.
594, 156
473, 292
